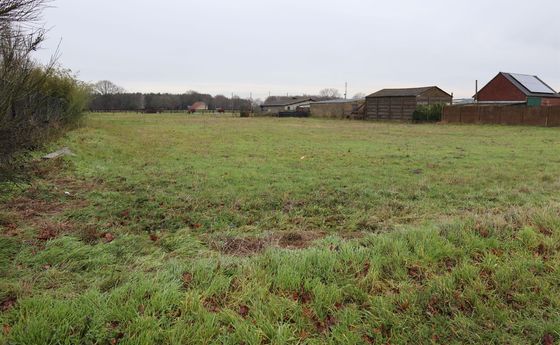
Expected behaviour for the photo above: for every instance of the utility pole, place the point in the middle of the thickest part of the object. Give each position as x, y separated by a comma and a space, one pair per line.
345, 89
476, 91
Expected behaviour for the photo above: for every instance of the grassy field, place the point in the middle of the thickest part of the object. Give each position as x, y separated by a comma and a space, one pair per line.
206, 230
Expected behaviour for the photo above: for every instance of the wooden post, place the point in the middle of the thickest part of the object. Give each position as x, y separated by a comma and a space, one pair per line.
478, 113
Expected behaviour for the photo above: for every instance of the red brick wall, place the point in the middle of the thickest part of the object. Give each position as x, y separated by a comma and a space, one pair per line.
500, 89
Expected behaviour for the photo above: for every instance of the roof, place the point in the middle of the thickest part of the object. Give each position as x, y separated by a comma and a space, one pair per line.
530, 85
335, 101
279, 101
198, 105
406, 92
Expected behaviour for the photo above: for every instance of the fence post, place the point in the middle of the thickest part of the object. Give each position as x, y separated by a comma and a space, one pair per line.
478, 114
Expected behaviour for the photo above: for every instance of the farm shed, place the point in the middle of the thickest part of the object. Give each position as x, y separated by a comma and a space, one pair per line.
518, 88
338, 108
400, 104
274, 105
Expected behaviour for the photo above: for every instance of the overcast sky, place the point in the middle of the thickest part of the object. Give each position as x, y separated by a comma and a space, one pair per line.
302, 46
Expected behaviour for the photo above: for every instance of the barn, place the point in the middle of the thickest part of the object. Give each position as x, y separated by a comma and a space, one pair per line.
400, 104
518, 88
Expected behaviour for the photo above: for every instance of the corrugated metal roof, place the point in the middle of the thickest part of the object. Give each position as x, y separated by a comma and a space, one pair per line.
280, 101
406, 92
334, 101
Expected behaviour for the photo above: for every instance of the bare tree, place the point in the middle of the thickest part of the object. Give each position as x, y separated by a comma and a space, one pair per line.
20, 35
359, 95
105, 87
21, 11
329, 93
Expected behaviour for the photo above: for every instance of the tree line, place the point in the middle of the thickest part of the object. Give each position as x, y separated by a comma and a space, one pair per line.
107, 96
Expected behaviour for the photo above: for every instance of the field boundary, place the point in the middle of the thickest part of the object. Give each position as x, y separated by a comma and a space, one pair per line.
503, 114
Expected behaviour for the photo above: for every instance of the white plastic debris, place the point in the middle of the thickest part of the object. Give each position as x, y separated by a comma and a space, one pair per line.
65, 151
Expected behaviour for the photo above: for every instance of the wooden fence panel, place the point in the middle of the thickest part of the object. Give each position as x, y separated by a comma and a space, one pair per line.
554, 116
469, 115
489, 115
535, 116
512, 115
452, 114
507, 115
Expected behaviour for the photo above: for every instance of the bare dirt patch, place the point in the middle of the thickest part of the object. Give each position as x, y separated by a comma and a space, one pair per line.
246, 246
8, 303
28, 208
9, 229
49, 230
298, 240
212, 305
40, 204
239, 246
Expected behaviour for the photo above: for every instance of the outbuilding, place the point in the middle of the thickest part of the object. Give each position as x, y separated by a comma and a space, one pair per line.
275, 105
514, 88
400, 104
198, 106
336, 108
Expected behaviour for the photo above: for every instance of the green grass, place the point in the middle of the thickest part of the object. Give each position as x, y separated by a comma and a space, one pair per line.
218, 230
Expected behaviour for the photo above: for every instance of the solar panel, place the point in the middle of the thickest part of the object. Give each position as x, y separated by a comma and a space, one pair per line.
532, 84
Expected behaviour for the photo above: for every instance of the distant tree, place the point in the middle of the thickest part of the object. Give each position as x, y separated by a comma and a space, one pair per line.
359, 95
221, 101
105, 87
329, 93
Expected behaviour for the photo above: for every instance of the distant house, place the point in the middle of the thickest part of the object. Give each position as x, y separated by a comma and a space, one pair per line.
198, 106
274, 105
514, 88
400, 104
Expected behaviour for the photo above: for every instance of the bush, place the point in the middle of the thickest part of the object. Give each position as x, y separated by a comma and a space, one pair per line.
50, 102
36, 102
428, 113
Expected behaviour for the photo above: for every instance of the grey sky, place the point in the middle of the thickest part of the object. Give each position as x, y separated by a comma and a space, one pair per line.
302, 46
